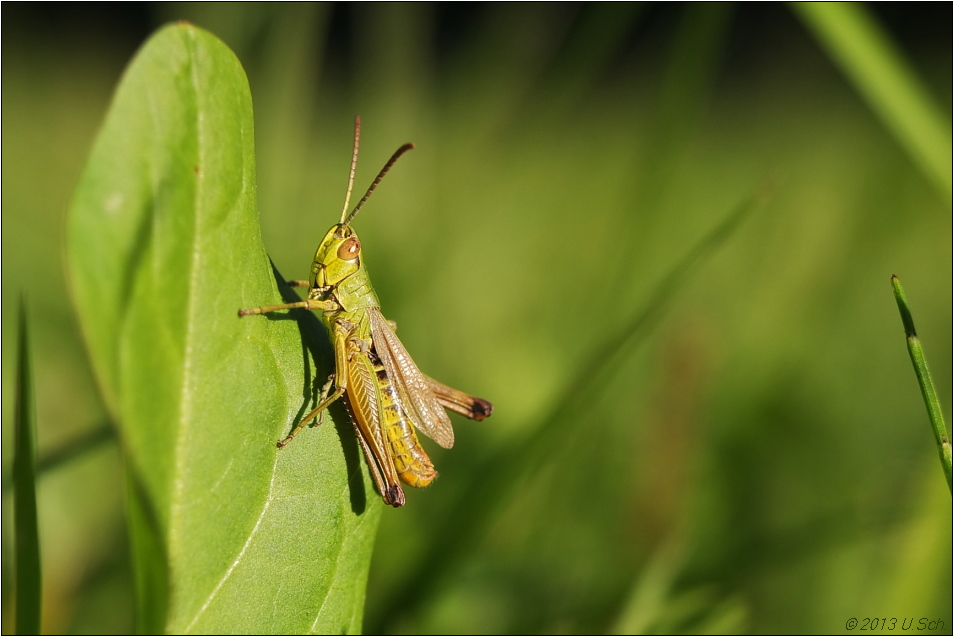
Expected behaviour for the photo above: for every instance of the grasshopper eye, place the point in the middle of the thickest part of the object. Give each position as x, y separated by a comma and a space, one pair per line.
349, 249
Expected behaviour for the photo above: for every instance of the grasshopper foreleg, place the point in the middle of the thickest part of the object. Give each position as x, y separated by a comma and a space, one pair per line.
339, 379
308, 304
319, 411
322, 395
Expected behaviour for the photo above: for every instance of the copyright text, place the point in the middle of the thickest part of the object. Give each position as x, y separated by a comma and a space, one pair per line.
882, 624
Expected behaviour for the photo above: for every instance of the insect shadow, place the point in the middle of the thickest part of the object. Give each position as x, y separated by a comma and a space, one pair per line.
316, 346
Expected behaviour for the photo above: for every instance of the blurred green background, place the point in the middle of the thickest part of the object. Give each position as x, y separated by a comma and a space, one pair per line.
755, 458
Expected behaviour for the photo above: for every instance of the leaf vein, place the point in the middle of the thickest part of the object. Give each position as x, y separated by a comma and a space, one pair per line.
240, 556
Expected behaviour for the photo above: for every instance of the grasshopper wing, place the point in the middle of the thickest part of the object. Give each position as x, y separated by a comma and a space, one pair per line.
417, 397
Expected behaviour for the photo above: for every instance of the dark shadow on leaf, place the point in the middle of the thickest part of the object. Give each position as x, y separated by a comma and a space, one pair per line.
140, 248
315, 341
150, 559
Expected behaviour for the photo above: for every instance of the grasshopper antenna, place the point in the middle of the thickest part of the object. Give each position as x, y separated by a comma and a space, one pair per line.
374, 184
354, 164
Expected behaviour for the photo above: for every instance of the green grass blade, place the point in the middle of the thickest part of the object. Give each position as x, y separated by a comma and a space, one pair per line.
504, 474
876, 67
924, 381
650, 590
590, 47
28, 574
77, 449
74, 450
229, 535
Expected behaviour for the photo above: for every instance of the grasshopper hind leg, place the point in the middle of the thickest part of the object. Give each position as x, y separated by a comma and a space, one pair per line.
392, 494
460, 402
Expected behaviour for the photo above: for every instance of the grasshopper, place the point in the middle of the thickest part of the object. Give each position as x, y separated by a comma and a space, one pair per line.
386, 394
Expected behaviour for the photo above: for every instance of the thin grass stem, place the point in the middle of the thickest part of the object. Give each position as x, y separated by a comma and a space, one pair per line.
924, 381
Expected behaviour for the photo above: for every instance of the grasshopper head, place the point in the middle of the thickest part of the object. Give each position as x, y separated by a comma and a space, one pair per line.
339, 255
337, 258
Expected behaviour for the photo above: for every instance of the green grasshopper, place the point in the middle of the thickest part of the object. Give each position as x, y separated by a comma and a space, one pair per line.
387, 395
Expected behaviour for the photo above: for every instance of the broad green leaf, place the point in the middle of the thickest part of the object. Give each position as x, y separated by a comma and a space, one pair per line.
230, 535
